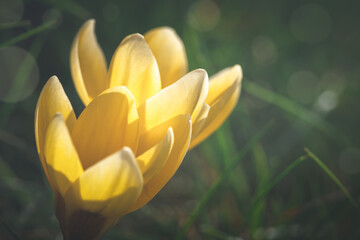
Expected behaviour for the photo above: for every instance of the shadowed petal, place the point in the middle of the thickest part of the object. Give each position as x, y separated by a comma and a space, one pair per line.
218, 113
106, 125
152, 160
169, 52
200, 120
220, 82
181, 126
224, 91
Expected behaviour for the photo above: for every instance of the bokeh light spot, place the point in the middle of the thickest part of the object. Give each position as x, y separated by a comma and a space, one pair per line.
11, 11
19, 74
310, 23
203, 15
327, 101
349, 160
304, 87
264, 50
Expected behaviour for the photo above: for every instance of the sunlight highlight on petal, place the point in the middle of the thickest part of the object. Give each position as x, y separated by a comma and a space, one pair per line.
88, 64
186, 96
109, 187
133, 65
63, 163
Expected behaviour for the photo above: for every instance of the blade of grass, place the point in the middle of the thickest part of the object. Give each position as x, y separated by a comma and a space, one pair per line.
227, 146
266, 189
261, 168
28, 34
12, 233
261, 163
257, 204
24, 23
218, 182
262, 173
297, 110
332, 177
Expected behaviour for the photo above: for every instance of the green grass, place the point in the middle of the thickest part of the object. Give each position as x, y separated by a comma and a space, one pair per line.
332, 177
200, 207
28, 34
296, 109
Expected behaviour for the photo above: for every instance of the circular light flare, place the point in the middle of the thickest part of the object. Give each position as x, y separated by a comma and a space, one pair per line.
19, 74
327, 101
264, 50
203, 15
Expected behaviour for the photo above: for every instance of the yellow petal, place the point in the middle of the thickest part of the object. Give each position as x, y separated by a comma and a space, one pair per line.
88, 64
218, 113
220, 82
133, 65
52, 100
181, 126
186, 96
200, 120
63, 163
169, 52
152, 160
106, 125
107, 188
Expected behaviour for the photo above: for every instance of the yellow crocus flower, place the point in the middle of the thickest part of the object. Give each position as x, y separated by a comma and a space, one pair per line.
146, 65
224, 87
117, 155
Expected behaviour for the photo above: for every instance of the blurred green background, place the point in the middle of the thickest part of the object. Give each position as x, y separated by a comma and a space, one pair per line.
252, 179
